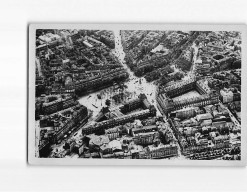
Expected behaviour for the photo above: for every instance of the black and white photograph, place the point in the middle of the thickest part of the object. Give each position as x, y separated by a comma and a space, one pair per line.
123, 96
126, 93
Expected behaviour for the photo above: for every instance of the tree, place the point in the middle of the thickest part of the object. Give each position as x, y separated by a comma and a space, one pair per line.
236, 64
108, 102
178, 76
232, 43
164, 80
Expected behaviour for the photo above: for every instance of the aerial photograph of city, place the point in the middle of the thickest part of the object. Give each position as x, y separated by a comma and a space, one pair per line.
138, 94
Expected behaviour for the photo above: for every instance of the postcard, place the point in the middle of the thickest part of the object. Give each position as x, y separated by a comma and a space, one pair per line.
137, 94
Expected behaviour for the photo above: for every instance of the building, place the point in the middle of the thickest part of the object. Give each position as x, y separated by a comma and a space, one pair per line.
143, 129
162, 151
206, 116
113, 133
145, 138
101, 126
203, 69
166, 104
62, 123
184, 113
55, 103
131, 105
148, 110
179, 88
226, 95
95, 82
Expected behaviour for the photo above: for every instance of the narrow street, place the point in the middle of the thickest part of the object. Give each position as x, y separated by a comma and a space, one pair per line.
194, 58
